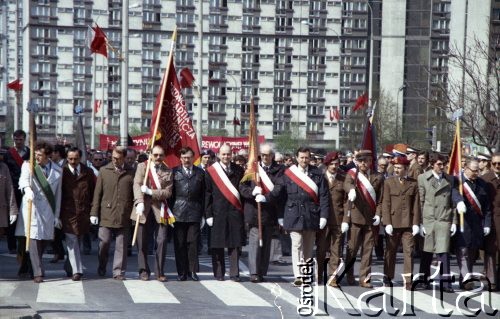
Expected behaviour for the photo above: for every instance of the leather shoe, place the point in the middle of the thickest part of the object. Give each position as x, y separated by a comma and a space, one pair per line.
448, 290
162, 278
254, 279
194, 276
408, 286
333, 282
144, 276
235, 278
219, 278
182, 277
101, 272
76, 277
37, 279
350, 279
363, 284
119, 277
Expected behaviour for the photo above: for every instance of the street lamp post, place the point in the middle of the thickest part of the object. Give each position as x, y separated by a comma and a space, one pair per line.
401, 89
370, 75
234, 105
124, 77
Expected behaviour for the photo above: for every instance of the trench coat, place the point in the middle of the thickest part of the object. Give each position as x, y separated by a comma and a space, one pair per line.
76, 201
438, 213
8, 204
42, 216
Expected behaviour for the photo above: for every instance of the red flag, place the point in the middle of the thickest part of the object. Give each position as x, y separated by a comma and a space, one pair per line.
187, 78
175, 129
236, 121
98, 41
97, 106
15, 85
361, 102
455, 164
369, 142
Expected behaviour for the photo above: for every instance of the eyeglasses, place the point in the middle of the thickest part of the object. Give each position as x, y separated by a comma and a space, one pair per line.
439, 164
156, 155
495, 163
98, 159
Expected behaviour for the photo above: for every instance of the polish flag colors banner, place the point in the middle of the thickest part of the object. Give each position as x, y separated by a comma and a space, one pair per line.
97, 106
334, 114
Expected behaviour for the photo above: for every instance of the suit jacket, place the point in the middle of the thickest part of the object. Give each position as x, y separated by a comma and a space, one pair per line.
337, 198
415, 170
400, 203
42, 216
8, 204
361, 212
76, 200
153, 202
188, 195
113, 196
493, 188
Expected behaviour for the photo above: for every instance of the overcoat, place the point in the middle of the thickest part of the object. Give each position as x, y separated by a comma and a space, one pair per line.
437, 200
8, 204
42, 215
76, 200
228, 230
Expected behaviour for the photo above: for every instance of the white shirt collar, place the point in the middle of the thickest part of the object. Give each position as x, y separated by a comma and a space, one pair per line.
436, 175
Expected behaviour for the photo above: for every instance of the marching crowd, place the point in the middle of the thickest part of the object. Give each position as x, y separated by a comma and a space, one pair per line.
406, 202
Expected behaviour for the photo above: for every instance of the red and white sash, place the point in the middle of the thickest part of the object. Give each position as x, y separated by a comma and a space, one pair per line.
266, 183
365, 187
473, 200
15, 155
225, 186
165, 212
303, 181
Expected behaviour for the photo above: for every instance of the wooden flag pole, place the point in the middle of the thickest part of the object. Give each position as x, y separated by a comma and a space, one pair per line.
156, 124
32, 166
460, 182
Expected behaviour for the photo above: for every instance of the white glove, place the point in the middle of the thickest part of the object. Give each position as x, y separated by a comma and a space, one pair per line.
415, 230
260, 199
57, 223
485, 229
389, 229
453, 229
280, 221
344, 227
28, 193
12, 219
257, 191
139, 209
322, 223
461, 208
352, 195
376, 220
210, 221
146, 190
202, 222
422, 230
94, 220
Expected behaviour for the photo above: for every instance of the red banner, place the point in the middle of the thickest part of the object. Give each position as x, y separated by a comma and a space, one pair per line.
236, 143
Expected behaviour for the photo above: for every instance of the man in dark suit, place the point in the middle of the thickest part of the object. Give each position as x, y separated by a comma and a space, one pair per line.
305, 192
224, 213
271, 206
188, 204
401, 217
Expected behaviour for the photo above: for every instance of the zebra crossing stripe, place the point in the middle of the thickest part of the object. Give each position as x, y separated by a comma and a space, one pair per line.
61, 291
149, 292
7, 288
421, 301
278, 293
234, 294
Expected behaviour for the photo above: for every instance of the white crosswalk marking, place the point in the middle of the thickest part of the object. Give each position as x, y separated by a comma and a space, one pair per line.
422, 301
279, 293
61, 291
7, 288
234, 294
149, 292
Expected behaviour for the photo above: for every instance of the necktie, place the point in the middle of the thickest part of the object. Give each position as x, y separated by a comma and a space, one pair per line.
45, 170
188, 172
266, 169
75, 172
157, 168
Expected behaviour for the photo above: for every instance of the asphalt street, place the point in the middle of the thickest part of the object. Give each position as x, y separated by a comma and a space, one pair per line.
96, 297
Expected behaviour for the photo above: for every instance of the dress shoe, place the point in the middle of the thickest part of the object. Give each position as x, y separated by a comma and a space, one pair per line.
408, 286
332, 282
219, 278
182, 277
37, 279
119, 277
101, 272
254, 279
12, 251
144, 276
448, 290
423, 286
468, 286
194, 276
235, 278
363, 284
297, 282
162, 278
350, 279
76, 277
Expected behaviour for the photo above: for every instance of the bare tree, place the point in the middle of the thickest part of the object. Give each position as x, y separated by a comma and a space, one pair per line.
384, 120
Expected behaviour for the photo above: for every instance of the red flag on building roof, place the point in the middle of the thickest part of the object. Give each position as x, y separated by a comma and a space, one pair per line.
186, 78
361, 102
15, 85
98, 42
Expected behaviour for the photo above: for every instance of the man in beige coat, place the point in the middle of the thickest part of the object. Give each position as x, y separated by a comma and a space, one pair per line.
151, 207
112, 204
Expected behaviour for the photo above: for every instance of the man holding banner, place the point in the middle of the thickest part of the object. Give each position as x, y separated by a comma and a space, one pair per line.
307, 208
224, 213
43, 188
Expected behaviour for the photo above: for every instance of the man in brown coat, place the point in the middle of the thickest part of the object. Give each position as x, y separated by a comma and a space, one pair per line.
401, 217
8, 206
76, 200
330, 238
492, 241
415, 168
151, 207
364, 189
112, 204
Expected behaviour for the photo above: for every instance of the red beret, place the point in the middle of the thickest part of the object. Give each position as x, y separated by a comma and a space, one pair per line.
330, 157
402, 160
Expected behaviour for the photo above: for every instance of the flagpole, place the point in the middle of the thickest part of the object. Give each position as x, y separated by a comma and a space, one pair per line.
94, 97
459, 160
156, 124
102, 98
32, 137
